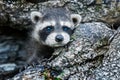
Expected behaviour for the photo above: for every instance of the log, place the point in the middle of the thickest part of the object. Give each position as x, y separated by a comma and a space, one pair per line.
15, 14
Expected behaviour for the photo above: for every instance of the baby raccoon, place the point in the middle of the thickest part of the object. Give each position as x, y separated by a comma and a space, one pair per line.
53, 28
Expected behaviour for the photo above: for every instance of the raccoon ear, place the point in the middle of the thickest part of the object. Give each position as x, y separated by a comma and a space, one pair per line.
76, 18
35, 16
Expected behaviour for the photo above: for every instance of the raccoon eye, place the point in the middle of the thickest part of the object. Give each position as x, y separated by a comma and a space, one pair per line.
49, 28
65, 28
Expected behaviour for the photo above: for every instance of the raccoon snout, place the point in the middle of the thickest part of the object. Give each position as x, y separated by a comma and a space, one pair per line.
59, 38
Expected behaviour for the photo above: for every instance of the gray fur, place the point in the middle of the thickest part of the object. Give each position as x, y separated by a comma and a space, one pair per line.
43, 40
56, 14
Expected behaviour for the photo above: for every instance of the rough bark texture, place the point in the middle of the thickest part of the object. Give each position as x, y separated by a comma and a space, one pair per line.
16, 13
93, 53
90, 43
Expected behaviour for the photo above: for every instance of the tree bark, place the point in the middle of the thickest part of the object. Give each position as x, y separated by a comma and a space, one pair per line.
16, 14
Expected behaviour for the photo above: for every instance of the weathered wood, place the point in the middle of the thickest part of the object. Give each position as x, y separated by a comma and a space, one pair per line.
16, 14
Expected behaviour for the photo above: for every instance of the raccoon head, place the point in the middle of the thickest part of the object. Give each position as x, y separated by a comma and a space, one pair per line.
54, 26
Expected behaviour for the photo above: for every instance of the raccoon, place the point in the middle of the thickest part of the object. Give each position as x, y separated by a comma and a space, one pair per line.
53, 28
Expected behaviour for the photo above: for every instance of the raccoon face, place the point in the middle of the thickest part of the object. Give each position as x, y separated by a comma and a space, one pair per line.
54, 26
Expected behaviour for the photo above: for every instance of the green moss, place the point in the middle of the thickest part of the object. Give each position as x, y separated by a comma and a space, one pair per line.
98, 8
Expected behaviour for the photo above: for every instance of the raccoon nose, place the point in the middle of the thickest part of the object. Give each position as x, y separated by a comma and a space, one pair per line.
59, 38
